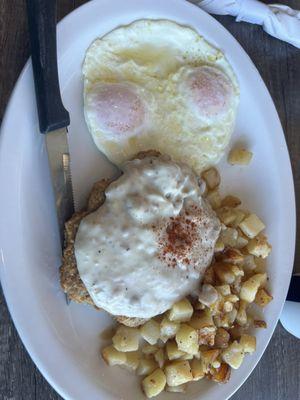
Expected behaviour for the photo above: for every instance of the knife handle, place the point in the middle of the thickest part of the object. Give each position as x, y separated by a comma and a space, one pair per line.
42, 31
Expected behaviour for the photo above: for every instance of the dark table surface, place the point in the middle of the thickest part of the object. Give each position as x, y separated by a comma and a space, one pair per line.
277, 376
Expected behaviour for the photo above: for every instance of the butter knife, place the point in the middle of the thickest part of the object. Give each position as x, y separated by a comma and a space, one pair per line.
53, 117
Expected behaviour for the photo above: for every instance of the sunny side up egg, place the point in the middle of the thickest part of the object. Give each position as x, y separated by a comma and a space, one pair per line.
158, 85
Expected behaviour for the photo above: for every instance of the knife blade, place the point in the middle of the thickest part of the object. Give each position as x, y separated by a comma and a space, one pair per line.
59, 163
53, 117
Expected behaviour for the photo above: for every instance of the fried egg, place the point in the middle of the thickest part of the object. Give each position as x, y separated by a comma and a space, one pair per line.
158, 85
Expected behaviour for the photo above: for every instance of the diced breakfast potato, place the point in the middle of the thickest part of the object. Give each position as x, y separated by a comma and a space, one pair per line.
257, 323
132, 360
146, 366
233, 256
187, 339
250, 287
221, 374
249, 264
263, 298
181, 311
239, 216
209, 276
203, 323
150, 331
231, 201
176, 389
154, 383
259, 246
212, 178
198, 369
233, 355
227, 215
178, 372
252, 226
229, 236
224, 290
173, 353
222, 338
214, 199
112, 356
239, 156
159, 357
241, 316
187, 356
219, 246
248, 343
224, 272
208, 295
209, 356
149, 348
260, 265
201, 319
168, 329
126, 339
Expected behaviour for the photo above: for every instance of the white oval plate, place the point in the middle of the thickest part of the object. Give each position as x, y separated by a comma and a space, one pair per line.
64, 340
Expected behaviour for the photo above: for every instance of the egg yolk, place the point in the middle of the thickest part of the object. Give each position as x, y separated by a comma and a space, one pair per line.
210, 91
116, 108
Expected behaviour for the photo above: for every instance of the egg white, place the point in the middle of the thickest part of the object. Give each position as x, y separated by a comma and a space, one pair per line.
156, 56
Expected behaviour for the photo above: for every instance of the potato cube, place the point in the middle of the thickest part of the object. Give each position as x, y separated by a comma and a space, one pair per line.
239, 216
112, 356
239, 156
159, 357
233, 355
233, 256
224, 290
222, 338
241, 242
259, 246
249, 263
198, 369
231, 201
250, 287
227, 215
154, 383
209, 276
219, 246
168, 329
231, 316
248, 343
178, 372
209, 356
187, 356
263, 298
149, 348
214, 199
181, 311
176, 389
208, 295
212, 178
261, 265
224, 272
241, 316
146, 366
201, 319
150, 331
132, 360
259, 324
173, 353
221, 374
252, 226
229, 237
126, 339
187, 339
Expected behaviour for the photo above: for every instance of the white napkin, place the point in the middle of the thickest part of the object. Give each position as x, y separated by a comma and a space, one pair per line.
278, 20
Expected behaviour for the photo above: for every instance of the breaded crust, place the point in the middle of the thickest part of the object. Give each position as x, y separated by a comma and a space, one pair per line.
70, 280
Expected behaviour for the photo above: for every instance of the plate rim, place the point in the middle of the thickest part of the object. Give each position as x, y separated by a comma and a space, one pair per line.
25, 336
